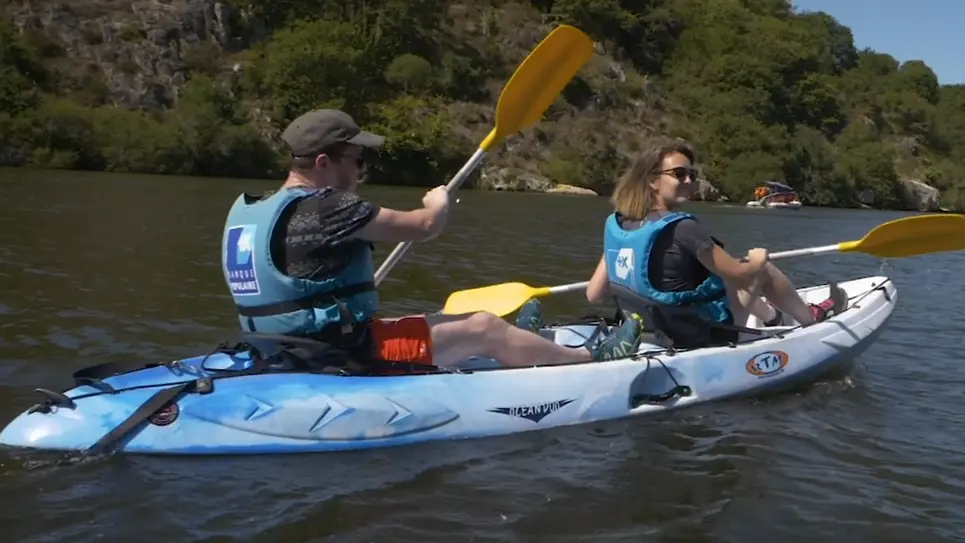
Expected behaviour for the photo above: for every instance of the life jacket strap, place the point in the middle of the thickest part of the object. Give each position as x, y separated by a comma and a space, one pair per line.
310, 302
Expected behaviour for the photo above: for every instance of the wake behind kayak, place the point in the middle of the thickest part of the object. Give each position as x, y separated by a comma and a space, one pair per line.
277, 395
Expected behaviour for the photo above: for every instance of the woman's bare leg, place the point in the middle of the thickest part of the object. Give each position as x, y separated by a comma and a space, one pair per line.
781, 293
745, 302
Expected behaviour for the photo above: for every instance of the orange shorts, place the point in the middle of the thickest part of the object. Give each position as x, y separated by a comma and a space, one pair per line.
405, 339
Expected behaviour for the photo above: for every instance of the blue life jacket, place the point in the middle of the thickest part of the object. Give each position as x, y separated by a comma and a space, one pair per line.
627, 254
271, 302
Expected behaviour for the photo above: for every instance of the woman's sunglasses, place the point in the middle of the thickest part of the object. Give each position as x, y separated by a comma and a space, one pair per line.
681, 173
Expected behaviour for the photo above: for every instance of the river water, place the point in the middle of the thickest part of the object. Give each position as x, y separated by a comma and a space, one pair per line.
97, 268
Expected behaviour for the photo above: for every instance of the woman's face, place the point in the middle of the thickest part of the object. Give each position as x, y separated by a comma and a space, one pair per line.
676, 180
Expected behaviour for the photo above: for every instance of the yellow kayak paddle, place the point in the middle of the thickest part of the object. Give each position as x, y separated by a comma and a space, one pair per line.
529, 93
908, 236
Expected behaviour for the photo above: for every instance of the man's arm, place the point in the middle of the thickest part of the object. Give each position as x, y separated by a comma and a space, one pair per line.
393, 226
340, 216
345, 216
417, 225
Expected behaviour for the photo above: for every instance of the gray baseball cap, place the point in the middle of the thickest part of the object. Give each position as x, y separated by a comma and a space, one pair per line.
320, 128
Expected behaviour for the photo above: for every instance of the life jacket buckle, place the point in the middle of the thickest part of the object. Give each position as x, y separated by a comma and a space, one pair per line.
347, 327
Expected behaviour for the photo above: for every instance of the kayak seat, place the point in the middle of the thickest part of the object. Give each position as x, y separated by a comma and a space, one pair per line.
304, 353
317, 355
269, 345
676, 327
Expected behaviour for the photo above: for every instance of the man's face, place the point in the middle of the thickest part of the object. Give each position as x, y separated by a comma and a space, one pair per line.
351, 167
341, 169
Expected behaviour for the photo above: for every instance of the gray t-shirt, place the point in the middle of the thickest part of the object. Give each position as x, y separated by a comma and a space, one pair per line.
673, 262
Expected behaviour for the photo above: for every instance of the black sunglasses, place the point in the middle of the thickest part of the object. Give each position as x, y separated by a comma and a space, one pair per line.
681, 173
359, 160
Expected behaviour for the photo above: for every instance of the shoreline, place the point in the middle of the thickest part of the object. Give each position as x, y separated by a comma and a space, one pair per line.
558, 189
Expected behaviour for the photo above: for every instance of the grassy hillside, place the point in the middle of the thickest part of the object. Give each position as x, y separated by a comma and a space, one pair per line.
204, 87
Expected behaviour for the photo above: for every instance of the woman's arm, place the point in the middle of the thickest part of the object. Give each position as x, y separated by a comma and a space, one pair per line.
736, 272
597, 291
693, 238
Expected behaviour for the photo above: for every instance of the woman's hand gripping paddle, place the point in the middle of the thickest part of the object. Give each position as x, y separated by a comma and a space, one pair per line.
908, 236
525, 98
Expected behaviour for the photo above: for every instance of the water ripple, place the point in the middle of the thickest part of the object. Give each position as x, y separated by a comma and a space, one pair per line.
872, 456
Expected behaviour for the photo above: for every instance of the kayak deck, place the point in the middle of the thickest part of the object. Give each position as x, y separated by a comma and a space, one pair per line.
217, 406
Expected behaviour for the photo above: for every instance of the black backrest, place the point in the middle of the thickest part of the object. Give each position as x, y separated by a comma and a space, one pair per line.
679, 327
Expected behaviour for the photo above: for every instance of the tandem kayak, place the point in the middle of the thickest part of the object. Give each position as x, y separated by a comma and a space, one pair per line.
237, 402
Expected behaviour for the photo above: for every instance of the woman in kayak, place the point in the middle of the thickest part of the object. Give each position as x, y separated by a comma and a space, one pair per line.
682, 275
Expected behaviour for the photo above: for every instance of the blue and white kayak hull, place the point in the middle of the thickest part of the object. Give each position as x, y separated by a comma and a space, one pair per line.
221, 410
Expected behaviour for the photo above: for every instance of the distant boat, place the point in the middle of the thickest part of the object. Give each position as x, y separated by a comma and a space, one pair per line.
774, 195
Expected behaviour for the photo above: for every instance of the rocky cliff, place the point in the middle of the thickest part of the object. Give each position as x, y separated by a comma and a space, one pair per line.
429, 71
139, 52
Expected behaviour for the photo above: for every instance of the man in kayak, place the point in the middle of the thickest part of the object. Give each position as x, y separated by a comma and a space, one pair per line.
298, 261
665, 262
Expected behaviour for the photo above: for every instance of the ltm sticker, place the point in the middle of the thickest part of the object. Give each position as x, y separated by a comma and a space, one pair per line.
768, 363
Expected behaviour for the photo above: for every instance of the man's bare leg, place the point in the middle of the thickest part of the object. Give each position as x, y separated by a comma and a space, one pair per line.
457, 337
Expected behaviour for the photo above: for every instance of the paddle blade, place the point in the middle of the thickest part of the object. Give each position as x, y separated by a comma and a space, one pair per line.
912, 236
539, 80
500, 299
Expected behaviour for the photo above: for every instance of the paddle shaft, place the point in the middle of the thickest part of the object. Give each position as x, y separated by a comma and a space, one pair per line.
823, 249
566, 288
396, 255
776, 256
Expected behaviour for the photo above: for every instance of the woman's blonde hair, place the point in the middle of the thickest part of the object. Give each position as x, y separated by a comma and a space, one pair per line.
633, 197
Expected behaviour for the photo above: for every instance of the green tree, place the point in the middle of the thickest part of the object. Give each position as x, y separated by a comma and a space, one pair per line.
917, 77
315, 64
409, 72
419, 148
763, 91
22, 75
